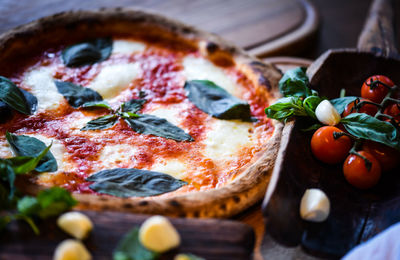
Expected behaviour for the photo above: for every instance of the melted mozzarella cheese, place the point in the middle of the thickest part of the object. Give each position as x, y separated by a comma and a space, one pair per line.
202, 69
5, 150
227, 138
173, 167
42, 86
127, 47
115, 78
112, 156
170, 113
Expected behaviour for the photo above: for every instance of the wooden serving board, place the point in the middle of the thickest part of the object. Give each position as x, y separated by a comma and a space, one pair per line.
208, 238
265, 27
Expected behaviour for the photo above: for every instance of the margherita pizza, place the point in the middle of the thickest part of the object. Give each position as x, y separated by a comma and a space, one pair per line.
142, 113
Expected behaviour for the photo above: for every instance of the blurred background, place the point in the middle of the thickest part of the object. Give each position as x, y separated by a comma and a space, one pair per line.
303, 28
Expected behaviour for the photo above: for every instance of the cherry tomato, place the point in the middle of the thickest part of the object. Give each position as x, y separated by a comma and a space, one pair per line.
365, 108
376, 92
394, 111
356, 172
387, 157
328, 149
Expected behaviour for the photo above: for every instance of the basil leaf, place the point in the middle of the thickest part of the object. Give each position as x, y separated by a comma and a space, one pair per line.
7, 176
102, 122
310, 104
130, 248
285, 108
14, 97
216, 101
341, 103
97, 104
24, 145
133, 106
152, 125
87, 53
365, 126
77, 95
295, 83
48, 203
133, 182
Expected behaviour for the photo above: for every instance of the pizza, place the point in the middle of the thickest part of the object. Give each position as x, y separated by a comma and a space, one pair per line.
143, 114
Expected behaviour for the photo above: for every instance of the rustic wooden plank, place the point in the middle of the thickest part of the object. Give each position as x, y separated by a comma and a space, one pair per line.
356, 215
209, 238
246, 23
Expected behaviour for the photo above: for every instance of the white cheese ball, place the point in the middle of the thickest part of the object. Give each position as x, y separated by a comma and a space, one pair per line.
75, 223
71, 249
158, 234
314, 206
327, 114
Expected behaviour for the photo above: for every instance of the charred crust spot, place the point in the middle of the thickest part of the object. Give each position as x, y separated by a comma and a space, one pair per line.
127, 206
174, 203
222, 206
143, 203
182, 215
211, 47
264, 82
196, 214
236, 199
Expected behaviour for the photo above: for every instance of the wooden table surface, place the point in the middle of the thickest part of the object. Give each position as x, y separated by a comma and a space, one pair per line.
248, 24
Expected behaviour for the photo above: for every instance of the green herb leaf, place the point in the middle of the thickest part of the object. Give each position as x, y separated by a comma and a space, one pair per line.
54, 201
285, 108
25, 164
310, 104
102, 122
30, 146
77, 95
365, 126
341, 103
87, 53
7, 177
28, 206
97, 104
133, 182
295, 83
216, 101
130, 248
14, 97
133, 106
48, 203
152, 125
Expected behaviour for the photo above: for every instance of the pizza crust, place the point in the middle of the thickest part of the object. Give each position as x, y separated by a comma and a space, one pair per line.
247, 188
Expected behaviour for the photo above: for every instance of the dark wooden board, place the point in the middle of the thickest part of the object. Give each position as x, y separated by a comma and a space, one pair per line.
208, 238
257, 23
356, 215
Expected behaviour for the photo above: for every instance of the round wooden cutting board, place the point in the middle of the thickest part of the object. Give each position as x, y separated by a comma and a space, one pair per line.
263, 27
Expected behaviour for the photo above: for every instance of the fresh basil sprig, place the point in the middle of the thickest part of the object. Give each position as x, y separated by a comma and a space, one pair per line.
24, 145
367, 127
77, 95
341, 103
16, 98
299, 99
87, 53
48, 203
140, 123
133, 182
130, 248
295, 83
216, 101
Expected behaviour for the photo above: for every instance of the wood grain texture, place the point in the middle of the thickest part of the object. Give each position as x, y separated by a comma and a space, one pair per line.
355, 215
208, 238
249, 24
